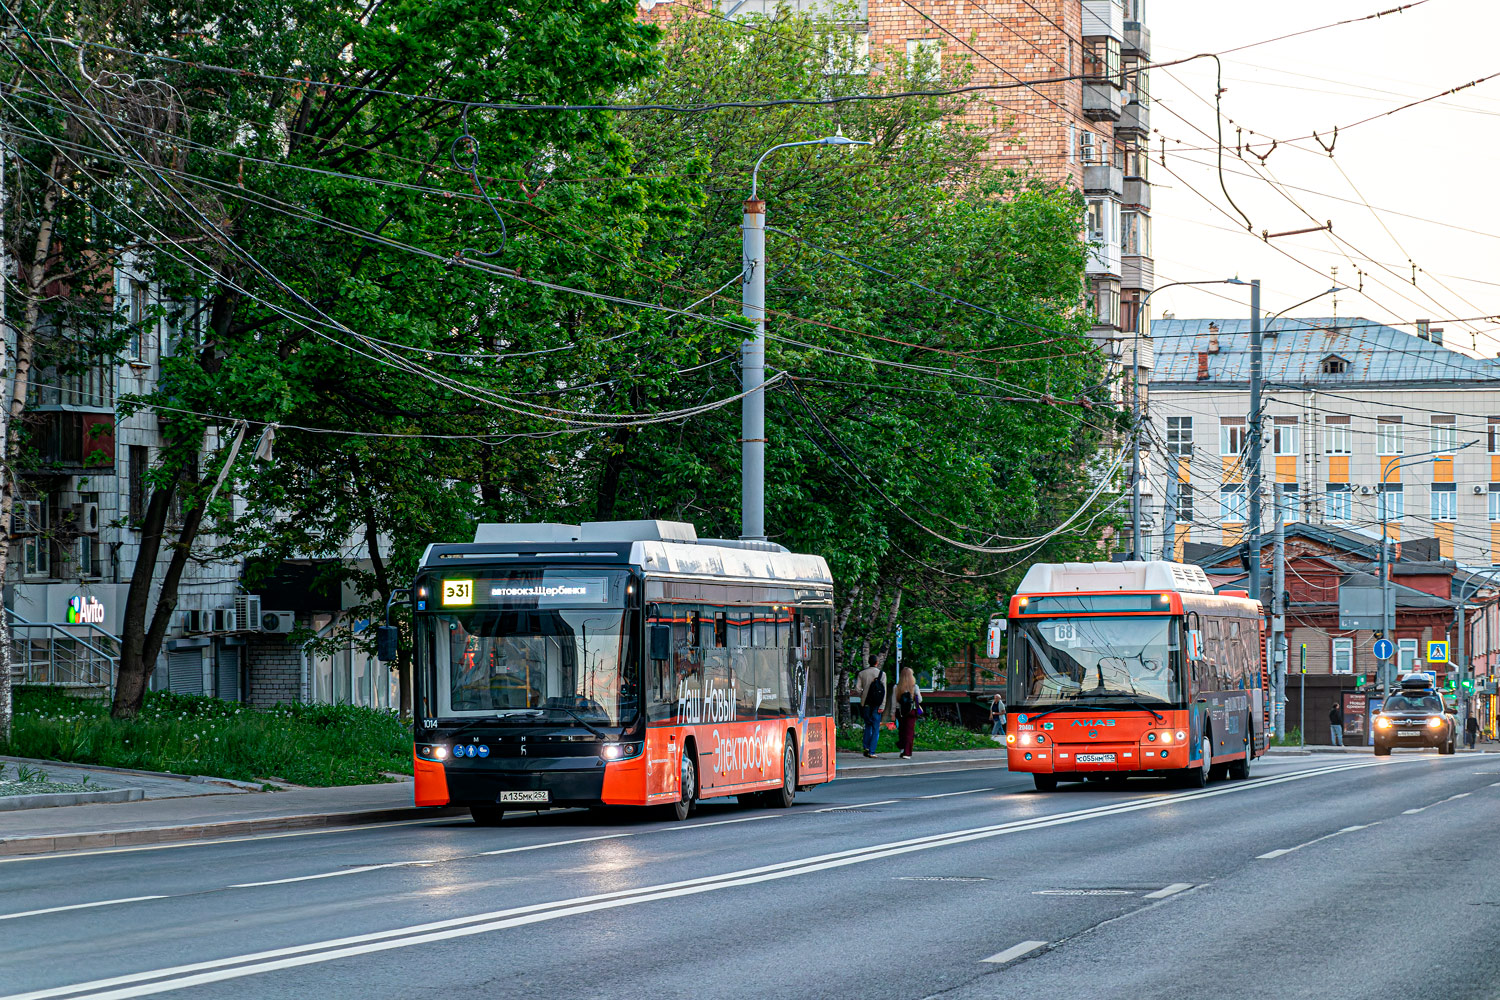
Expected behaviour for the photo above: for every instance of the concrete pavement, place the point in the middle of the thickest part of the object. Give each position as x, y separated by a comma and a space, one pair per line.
965, 883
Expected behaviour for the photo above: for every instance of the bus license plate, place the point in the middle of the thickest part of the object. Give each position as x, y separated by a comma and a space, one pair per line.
524, 796
1408, 732
1095, 758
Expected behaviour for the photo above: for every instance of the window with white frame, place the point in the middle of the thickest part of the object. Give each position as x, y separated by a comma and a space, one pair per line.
924, 59
1180, 436
136, 314
1444, 502
1343, 656
1135, 234
1390, 504
36, 548
1444, 434
1097, 221
1337, 503
1495, 501
1284, 436
1335, 435
1233, 505
1390, 437
1287, 507
1406, 656
1233, 433
1184, 503
1494, 435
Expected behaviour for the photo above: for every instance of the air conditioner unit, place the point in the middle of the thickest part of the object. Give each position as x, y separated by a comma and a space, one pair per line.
1479, 491
26, 518
192, 621
277, 622
1367, 490
222, 620
247, 613
86, 518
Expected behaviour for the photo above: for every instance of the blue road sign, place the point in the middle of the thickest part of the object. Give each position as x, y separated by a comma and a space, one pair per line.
1383, 649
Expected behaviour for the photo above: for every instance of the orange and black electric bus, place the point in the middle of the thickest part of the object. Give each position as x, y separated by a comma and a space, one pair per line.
1134, 668
619, 663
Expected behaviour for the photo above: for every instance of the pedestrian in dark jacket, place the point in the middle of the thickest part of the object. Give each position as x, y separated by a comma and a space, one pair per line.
1336, 725
1471, 731
997, 716
908, 702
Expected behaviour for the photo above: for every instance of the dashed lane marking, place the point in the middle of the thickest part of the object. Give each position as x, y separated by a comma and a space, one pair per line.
76, 906
946, 795
1316, 840
1170, 890
857, 805
1014, 952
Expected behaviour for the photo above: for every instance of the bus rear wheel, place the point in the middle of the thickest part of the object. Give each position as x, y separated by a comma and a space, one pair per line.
683, 807
1045, 782
487, 815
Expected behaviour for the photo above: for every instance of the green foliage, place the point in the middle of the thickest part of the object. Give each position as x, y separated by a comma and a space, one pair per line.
304, 744
932, 734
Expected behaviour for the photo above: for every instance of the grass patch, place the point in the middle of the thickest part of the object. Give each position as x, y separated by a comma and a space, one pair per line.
1290, 738
931, 735
31, 780
319, 745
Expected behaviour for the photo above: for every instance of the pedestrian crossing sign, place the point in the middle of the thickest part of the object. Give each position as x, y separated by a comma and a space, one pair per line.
1437, 652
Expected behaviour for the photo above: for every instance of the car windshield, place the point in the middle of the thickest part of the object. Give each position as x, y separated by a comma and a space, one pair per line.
529, 664
1096, 661
1413, 703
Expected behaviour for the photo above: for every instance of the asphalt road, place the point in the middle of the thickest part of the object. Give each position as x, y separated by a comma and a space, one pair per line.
1325, 876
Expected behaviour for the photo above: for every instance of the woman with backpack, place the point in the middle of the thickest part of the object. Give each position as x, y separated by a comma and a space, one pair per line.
908, 703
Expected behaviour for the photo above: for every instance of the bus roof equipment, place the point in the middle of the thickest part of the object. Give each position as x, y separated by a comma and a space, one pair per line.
1097, 577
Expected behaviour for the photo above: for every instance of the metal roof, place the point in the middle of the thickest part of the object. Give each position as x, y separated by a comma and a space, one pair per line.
1294, 350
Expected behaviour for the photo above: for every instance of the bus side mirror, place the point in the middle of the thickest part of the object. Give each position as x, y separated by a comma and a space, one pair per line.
661, 641
1195, 644
996, 630
385, 642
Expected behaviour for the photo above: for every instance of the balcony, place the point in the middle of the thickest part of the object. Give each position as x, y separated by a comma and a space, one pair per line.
72, 442
1101, 101
1135, 117
1137, 39
1104, 261
1103, 17
1102, 178
1137, 191
1137, 272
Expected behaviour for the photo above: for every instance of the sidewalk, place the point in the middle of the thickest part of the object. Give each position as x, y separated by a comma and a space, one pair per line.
853, 764
163, 820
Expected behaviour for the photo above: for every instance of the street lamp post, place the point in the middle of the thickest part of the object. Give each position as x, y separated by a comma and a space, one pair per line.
1139, 414
1387, 610
753, 350
1462, 660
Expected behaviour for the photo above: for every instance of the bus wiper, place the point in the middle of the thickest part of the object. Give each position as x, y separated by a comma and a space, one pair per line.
576, 718
1135, 703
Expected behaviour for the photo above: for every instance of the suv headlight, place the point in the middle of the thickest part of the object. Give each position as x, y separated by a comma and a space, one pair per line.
1434, 722
1381, 722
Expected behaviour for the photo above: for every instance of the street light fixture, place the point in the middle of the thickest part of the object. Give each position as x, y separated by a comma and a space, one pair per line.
753, 350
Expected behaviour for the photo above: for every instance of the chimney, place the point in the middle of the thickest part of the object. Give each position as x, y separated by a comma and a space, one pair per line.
1203, 365
1424, 329
1213, 338
1437, 334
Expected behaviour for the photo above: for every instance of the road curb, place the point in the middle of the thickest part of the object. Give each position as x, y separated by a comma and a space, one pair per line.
53, 843
47, 800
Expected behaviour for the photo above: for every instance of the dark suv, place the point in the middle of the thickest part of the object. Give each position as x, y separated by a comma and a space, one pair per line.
1414, 717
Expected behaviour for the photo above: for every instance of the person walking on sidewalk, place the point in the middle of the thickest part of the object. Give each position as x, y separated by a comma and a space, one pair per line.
1471, 730
1336, 725
869, 688
908, 702
997, 716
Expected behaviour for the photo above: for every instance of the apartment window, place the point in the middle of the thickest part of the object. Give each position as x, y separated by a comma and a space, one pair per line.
1336, 435
1180, 436
1444, 434
1107, 305
1135, 234
1135, 10
1232, 504
1334, 365
1101, 59
1137, 81
1495, 501
36, 550
1343, 656
1184, 503
1284, 436
1444, 502
924, 59
1232, 435
1137, 158
1390, 437
1286, 501
139, 461
1390, 504
138, 309
1337, 503
1406, 656
1097, 221
1495, 435
1131, 315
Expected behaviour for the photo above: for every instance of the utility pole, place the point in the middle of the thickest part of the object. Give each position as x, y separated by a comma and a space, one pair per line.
753, 372
1169, 517
1277, 658
1253, 532
6, 703
1387, 626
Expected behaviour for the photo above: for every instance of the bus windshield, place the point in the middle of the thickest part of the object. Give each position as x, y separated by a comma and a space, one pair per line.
1096, 662
533, 664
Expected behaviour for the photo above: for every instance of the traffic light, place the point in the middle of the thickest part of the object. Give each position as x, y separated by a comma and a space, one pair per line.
1359, 681
1468, 683
1448, 683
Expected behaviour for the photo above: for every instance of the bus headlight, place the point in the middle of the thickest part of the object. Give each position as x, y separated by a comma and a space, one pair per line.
432, 751
619, 751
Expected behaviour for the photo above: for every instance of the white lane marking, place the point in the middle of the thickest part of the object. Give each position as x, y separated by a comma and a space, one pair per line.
1316, 840
323, 951
1413, 812
857, 805
1170, 890
946, 795
1014, 952
76, 906
214, 841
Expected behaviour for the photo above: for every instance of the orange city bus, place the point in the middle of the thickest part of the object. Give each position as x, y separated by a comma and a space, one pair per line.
619, 663
1133, 668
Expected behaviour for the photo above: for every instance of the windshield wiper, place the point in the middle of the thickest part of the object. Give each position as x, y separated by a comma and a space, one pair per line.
576, 718
1135, 703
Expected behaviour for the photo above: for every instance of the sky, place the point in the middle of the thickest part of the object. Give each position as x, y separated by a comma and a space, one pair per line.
1429, 172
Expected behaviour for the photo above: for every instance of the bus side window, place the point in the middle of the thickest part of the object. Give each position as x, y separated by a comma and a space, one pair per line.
721, 629
695, 623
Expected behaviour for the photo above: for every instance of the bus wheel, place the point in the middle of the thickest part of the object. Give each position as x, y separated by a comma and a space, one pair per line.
1197, 777
783, 797
683, 807
486, 815
1045, 782
1240, 770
